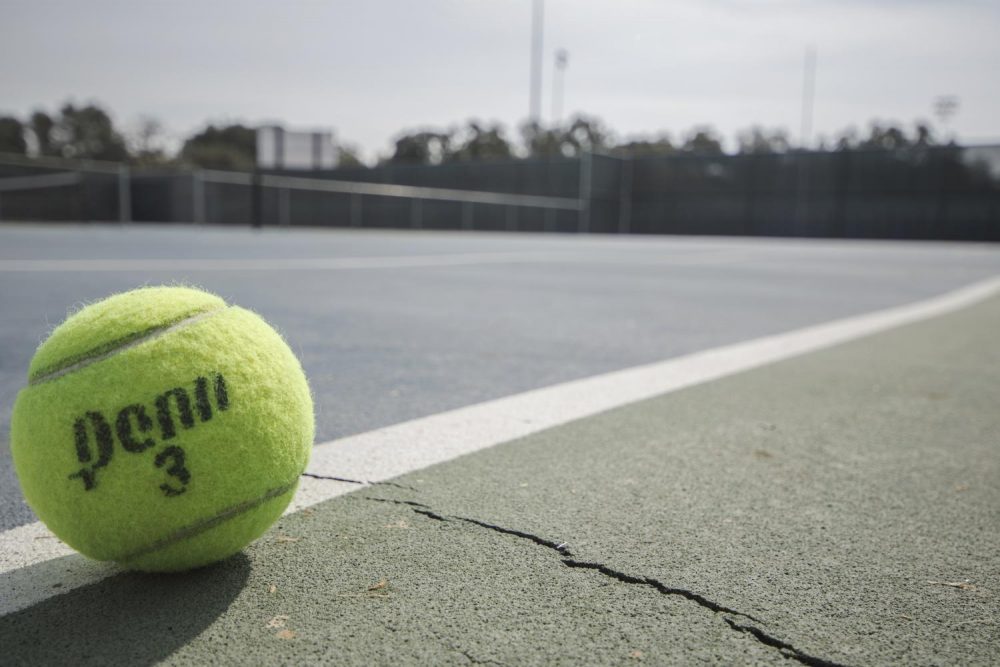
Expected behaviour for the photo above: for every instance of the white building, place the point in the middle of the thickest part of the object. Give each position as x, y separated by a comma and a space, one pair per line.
278, 148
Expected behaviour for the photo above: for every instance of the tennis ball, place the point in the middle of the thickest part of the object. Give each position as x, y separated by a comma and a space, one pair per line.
162, 429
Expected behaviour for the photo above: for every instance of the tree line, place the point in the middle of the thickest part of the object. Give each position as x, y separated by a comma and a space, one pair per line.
88, 132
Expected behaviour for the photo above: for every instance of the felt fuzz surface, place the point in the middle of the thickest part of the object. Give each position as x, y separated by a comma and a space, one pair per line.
176, 436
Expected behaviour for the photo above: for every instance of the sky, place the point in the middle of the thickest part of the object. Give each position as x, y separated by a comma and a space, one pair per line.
371, 69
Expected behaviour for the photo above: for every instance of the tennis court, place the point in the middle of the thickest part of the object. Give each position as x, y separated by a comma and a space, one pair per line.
671, 450
538, 332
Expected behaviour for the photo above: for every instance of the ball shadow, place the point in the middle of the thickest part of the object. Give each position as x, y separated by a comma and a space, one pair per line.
129, 618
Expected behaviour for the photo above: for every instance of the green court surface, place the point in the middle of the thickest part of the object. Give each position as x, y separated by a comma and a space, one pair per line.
841, 507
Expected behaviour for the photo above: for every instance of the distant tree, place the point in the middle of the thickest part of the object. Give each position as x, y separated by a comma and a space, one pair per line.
703, 141
12, 136
86, 132
887, 137
586, 133
582, 134
224, 147
761, 141
479, 142
646, 147
146, 143
541, 142
41, 125
846, 139
348, 156
422, 147
925, 136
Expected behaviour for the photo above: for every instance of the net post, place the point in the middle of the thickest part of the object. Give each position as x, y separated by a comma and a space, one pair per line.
284, 207
416, 214
83, 201
198, 196
801, 215
356, 211
466, 215
256, 197
124, 194
586, 167
625, 197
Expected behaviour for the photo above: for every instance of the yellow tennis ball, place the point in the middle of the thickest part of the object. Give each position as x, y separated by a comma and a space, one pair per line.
162, 429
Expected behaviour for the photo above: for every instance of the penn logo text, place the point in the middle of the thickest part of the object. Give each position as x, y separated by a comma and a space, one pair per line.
138, 428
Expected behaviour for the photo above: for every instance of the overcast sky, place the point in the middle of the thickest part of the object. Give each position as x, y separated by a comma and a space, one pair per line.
368, 69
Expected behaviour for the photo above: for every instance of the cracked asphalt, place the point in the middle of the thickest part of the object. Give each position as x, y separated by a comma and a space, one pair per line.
839, 508
811, 511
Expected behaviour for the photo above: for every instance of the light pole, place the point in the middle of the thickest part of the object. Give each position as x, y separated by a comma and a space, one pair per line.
945, 106
537, 29
558, 79
808, 97
802, 219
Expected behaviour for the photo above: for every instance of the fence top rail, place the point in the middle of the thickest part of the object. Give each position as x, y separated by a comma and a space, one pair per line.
225, 177
392, 190
38, 181
99, 166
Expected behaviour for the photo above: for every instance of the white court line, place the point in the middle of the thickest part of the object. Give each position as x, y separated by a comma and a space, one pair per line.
340, 263
269, 263
26, 552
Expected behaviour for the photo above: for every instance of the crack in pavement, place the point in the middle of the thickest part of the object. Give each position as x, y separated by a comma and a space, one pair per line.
786, 649
557, 546
659, 586
410, 503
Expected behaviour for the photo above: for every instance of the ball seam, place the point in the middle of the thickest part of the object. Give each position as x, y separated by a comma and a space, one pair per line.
107, 350
206, 524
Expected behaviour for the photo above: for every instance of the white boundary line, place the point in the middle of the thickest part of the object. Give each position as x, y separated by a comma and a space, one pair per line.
271, 263
396, 450
350, 263
28, 571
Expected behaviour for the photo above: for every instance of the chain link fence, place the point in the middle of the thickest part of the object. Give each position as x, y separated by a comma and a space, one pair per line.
931, 193
921, 193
